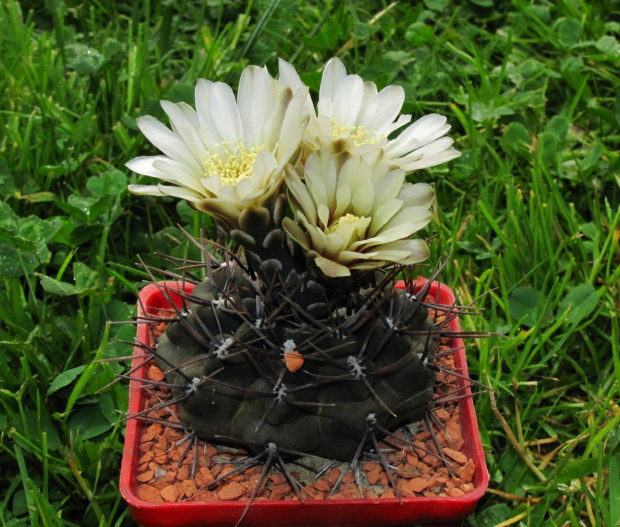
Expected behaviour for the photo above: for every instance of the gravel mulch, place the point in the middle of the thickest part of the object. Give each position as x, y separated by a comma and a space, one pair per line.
168, 457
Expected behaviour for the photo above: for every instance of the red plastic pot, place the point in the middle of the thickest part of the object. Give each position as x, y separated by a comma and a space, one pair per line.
349, 512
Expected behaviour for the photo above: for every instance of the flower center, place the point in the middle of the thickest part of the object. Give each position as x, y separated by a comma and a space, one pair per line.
347, 218
234, 164
358, 134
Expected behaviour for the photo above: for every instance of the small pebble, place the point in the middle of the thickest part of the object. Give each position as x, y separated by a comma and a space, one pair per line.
149, 493
369, 466
279, 491
148, 456
373, 476
332, 477
454, 492
189, 487
232, 491
145, 477
418, 484
442, 414
155, 374
183, 473
277, 478
160, 473
170, 493
466, 472
459, 457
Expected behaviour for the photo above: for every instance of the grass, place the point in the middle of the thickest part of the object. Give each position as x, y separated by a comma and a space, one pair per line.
531, 210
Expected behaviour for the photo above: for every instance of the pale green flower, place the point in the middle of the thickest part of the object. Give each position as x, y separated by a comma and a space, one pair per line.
355, 216
228, 154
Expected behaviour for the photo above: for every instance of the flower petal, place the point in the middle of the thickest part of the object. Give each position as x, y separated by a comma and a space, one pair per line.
144, 165
418, 217
292, 128
433, 160
165, 169
333, 75
185, 128
420, 133
225, 113
290, 77
256, 101
296, 232
272, 127
167, 141
383, 214
320, 170
301, 194
417, 195
323, 214
145, 190
174, 172
389, 187
405, 252
347, 100
331, 268
384, 110
208, 130
363, 198
265, 165
343, 200
178, 192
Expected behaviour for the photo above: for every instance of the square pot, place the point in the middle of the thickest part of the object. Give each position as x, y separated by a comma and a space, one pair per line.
341, 512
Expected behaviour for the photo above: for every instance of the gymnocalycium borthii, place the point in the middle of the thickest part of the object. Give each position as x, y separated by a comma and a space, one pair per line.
294, 340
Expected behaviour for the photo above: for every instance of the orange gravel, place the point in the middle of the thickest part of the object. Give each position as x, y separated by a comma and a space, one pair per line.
165, 463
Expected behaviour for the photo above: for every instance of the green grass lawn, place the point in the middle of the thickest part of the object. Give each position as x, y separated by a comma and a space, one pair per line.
531, 210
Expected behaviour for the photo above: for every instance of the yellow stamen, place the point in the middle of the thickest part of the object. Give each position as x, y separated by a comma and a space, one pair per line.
347, 218
359, 134
235, 164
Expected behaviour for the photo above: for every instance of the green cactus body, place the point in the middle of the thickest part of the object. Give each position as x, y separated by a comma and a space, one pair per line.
365, 353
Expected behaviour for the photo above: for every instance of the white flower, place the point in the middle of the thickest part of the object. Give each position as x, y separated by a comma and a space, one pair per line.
352, 116
227, 155
356, 216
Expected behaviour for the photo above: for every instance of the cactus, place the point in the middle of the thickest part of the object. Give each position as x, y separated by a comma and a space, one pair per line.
294, 341
364, 352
